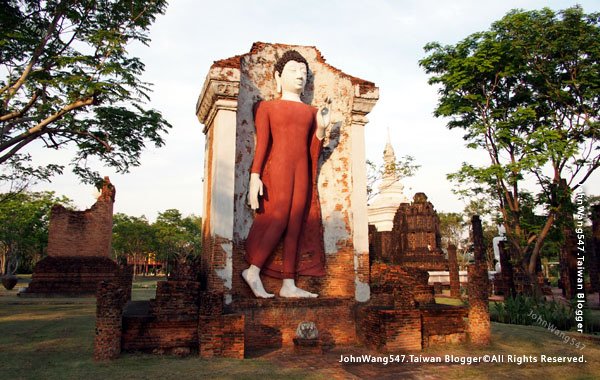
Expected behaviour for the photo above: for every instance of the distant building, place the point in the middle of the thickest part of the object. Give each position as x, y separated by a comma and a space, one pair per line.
391, 194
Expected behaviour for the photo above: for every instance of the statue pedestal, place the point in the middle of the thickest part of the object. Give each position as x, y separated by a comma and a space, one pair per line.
307, 346
272, 323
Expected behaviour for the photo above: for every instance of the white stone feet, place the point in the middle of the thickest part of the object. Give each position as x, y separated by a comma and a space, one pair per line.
252, 278
289, 290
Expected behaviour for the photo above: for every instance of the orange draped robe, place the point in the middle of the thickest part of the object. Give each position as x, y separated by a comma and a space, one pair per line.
286, 157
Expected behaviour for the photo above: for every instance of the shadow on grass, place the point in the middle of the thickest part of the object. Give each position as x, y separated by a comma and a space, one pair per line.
41, 340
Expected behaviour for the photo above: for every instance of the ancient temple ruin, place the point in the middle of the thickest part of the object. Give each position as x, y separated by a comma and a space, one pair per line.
370, 295
79, 251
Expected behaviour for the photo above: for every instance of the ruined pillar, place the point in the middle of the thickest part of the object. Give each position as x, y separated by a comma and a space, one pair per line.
479, 315
507, 274
594, 261
110, 299
453, 268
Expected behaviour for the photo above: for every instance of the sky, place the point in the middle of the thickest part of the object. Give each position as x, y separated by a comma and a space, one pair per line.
380, 41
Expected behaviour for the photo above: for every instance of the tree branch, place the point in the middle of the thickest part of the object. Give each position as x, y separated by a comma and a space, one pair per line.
40, 126
34, 57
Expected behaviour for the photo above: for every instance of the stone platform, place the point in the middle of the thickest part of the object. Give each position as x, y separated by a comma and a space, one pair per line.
272, 323
72, 276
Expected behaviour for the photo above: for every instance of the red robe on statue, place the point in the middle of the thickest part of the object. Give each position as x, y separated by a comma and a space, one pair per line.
286, 157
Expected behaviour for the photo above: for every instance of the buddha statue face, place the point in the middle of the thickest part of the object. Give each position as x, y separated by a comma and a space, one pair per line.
291, 72
292, 78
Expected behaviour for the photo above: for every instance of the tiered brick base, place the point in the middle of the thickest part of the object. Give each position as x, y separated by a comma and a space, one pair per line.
75, 276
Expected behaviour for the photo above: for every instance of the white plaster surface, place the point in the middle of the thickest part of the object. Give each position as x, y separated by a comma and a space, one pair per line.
225, 273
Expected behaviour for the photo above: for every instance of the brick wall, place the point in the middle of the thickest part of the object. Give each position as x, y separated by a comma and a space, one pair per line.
272, 323
390, 330
83, 233
443, 324
75, 276
221, 336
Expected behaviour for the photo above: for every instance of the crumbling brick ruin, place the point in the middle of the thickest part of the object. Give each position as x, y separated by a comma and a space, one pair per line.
181, 320
79, 248
479, 290
402, 313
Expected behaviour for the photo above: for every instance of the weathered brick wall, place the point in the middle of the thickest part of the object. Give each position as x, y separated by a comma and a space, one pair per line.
272, 323
443, 324
453, 268
141, 333
386, 278
75, 276
415, 237
221, 336
166, 324
176, 301
110, 299
390, 330
83, 233
79, 245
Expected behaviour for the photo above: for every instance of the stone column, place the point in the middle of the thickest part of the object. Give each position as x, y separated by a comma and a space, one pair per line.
110, 299
479, 315
453, 268
217, 109
362, 105
594, 262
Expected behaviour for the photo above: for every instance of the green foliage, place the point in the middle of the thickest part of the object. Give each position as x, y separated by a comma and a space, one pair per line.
69, 80
520, 309
176, 236
24, 220
527, 93
170, 238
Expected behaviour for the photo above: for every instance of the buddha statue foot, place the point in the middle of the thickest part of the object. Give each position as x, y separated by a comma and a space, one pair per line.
252, 278
289, 290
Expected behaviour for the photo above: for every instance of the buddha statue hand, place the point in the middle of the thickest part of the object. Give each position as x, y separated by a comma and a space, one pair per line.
254, 190
323, 119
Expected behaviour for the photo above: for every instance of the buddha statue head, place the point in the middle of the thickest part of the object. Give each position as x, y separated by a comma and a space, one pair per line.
291, 72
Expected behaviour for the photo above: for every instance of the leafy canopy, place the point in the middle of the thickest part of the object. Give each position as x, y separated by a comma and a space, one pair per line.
66, 78
526, 92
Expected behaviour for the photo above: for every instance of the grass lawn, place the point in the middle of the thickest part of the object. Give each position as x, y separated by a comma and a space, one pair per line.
53, 339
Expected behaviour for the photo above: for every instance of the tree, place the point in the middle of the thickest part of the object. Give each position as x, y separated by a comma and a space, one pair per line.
133, 237
526, 93
24, 220
177, 237
70, 81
